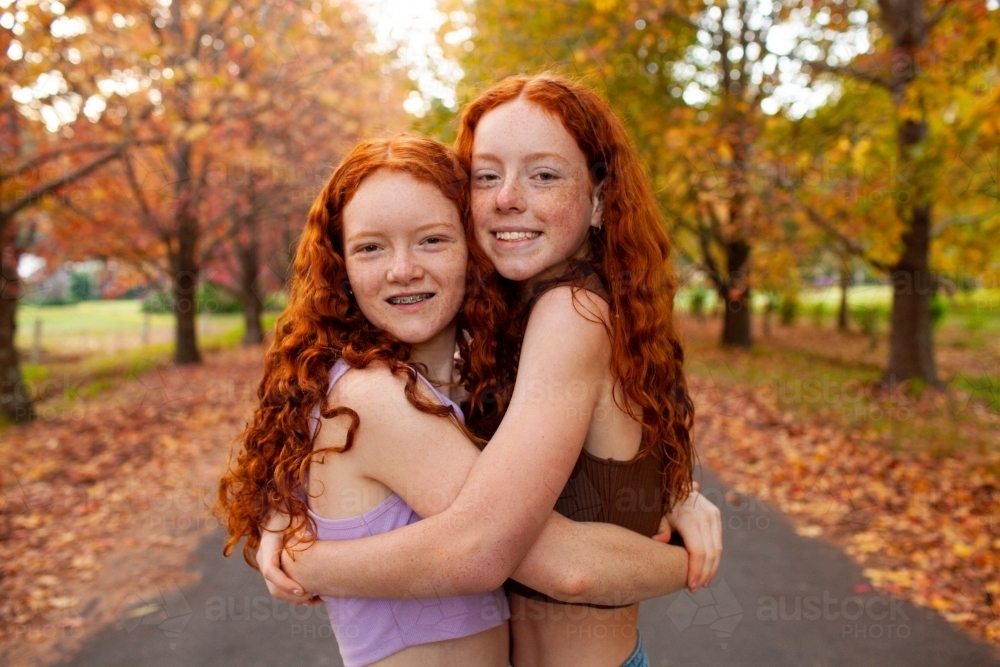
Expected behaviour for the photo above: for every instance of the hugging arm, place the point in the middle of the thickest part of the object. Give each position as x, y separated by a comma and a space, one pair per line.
506, 495
427, 461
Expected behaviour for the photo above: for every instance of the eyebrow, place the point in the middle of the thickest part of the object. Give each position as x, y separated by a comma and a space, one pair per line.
530, 157
368, 235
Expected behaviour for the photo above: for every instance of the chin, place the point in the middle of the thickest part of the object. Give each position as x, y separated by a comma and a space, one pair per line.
518, 271
412, 337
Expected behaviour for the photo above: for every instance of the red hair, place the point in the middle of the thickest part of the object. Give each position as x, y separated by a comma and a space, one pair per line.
630, 255
322, 324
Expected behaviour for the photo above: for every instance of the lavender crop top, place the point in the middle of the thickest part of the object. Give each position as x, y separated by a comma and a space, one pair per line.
369, 629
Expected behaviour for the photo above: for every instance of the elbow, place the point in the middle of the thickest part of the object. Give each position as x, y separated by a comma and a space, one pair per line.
574, 585
482, 564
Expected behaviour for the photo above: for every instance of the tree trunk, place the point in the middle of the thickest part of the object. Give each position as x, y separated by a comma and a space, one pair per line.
250, 289
736, 297
15, 396
736, 324
911, 345
845, 284
768, 314
185, 289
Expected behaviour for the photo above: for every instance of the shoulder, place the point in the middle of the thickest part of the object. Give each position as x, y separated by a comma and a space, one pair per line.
374, 388
566, 305
566, 334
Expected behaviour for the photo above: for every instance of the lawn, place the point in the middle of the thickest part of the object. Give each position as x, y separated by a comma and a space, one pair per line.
104, 327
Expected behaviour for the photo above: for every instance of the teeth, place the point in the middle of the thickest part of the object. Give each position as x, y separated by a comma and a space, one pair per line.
516, 236
402, 300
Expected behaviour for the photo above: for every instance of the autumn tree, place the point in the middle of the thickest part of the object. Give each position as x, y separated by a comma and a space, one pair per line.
913, 157
48, 151
213, 87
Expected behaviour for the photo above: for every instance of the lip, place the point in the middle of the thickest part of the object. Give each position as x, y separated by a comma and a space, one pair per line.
512, 228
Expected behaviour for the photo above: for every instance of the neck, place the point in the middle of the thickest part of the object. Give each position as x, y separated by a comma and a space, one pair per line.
526, 287
437, 355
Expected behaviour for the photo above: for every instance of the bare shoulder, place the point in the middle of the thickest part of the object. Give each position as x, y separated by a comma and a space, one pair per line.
566, 338
565, 304
374, 389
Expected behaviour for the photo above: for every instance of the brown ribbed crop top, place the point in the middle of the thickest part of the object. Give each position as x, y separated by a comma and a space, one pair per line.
625, 493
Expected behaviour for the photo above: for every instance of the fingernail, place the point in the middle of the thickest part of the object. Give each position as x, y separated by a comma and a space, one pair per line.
297, 592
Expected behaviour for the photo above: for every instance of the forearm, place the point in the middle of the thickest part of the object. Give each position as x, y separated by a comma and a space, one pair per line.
600, 563
434, 557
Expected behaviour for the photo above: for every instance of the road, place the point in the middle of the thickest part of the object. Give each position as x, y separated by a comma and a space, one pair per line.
779, 600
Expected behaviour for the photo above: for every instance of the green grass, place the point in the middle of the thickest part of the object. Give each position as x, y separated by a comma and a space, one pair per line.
975, 315
92, 327
985, 388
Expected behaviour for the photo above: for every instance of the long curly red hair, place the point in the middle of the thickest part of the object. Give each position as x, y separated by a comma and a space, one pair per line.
321, 324
631, 255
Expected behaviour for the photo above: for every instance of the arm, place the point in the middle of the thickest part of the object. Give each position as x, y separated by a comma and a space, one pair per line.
600, 563
425, 459
478, 541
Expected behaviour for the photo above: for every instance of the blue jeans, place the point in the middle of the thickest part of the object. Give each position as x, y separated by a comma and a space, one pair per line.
639, 658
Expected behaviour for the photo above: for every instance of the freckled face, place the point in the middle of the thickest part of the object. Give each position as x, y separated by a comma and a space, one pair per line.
406, 255
531, 192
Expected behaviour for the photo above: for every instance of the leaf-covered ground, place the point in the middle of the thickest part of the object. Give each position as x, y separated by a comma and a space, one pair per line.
907, 485
104, 500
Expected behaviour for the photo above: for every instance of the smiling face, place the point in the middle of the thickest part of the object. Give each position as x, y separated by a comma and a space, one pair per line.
406, 255
532, 199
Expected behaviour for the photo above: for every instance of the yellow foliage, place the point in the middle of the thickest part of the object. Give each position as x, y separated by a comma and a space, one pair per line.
196, 131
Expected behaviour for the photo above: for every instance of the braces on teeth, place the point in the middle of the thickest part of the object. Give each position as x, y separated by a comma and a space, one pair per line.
408, 299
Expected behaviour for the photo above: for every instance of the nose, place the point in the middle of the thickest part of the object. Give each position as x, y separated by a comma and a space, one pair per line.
510, 196
404, 268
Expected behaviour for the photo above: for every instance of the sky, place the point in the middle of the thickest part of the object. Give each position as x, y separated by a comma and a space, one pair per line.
412, 25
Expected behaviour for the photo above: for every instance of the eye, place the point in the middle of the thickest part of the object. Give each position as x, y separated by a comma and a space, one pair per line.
487, 177
371, 247
434, 240
546, 176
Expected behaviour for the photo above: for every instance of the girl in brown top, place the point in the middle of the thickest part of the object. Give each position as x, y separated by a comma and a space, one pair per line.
554, 179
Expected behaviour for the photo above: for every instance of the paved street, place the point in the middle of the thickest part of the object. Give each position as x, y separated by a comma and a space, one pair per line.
779, 600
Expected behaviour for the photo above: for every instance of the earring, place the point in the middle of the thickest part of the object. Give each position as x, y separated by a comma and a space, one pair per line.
347, 288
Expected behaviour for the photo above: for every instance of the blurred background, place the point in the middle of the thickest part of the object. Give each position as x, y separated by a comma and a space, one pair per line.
827, 170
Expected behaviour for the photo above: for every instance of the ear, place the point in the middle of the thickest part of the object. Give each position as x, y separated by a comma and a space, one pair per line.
597, 202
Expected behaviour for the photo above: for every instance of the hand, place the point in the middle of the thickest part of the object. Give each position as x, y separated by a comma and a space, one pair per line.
279, 585
699, 522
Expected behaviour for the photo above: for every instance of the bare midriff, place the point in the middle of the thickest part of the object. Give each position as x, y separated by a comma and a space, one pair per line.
559, 635
488, 648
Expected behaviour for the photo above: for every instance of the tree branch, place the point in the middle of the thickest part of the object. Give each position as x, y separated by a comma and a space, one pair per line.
874, 79
35, 195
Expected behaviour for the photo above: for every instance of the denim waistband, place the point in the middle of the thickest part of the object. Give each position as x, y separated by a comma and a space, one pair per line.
639, 657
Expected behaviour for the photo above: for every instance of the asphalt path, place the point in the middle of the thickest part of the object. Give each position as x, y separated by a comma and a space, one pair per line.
779, 600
